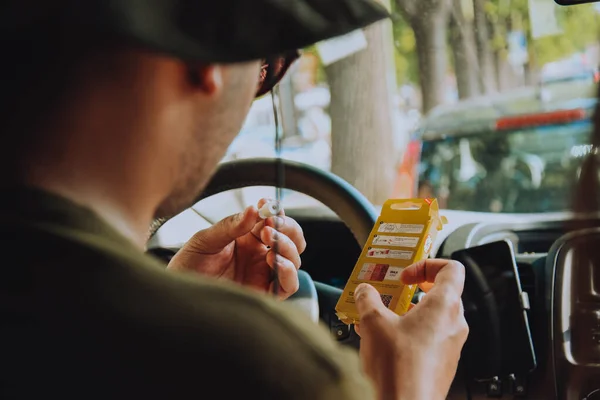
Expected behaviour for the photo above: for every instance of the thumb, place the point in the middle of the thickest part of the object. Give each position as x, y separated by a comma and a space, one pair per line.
215, 238
368, 304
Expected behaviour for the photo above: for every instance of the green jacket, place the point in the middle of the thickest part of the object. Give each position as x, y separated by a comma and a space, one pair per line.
84, 314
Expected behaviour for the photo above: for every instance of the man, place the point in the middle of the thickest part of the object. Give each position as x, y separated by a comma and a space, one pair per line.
117, 112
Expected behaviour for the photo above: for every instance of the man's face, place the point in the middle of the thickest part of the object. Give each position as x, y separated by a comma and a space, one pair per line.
207, 129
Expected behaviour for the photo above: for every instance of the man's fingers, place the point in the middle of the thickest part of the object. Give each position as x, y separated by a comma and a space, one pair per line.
276, 223
290, 228
369, 305
215, 238
357, 329
443, 298
263, 201
287, 274
285, 247
426, 286
285, 225
261, 223
448, 273
357, 326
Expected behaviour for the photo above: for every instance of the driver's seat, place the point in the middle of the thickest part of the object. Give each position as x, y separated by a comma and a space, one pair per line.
573, 295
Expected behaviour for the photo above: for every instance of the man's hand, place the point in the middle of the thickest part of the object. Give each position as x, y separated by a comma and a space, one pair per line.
239, 248
415, 356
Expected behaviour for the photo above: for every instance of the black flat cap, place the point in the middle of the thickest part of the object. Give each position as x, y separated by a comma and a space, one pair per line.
196, 30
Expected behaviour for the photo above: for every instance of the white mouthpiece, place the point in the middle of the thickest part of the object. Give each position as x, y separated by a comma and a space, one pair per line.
270, 209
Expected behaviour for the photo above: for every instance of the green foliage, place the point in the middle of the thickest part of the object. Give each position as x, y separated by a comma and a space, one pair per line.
321, 76
580, 24
405, 44
580, 29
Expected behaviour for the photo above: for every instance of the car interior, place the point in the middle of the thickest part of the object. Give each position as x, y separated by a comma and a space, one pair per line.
565, 336
532, 292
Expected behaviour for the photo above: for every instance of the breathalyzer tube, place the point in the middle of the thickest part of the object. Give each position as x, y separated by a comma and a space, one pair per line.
270, 209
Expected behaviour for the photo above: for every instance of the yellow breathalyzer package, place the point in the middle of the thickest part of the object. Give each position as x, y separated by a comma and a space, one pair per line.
402, 236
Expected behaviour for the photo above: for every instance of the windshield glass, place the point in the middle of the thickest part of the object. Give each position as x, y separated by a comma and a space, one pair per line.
411, 106
523, 171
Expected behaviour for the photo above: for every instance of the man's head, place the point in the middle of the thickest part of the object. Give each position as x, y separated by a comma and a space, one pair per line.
224, 93
123, 109
144, 97
203, 108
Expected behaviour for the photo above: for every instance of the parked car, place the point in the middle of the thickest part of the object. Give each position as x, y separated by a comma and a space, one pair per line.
499, 160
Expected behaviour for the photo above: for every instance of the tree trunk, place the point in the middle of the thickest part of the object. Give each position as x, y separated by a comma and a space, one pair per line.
430, 37
530, 69
429, 20
362, 115
464, 52
484, 48
505, 75
529, 74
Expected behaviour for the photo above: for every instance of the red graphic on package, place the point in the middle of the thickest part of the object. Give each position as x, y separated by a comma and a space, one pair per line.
378, 252
379, 272
373, 272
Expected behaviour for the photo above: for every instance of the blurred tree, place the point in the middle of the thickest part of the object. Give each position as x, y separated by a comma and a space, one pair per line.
321, 77
579, 23
580, 27
499, 18
428, 20
407, 68
421, 48
483, 38
362, 116
464, 54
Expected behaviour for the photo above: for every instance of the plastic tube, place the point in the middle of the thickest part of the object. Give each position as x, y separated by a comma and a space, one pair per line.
270, 209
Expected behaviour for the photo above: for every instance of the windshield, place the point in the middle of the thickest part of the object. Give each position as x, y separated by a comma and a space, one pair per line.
519, 171
410, 107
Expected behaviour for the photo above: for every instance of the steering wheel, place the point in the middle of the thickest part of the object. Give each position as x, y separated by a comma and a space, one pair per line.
347, 202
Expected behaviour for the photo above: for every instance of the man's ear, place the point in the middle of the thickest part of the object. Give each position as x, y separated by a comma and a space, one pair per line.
207, 78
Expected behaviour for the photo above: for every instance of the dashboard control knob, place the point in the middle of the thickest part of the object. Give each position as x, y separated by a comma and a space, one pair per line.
341, 331
494, 387
517, 386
